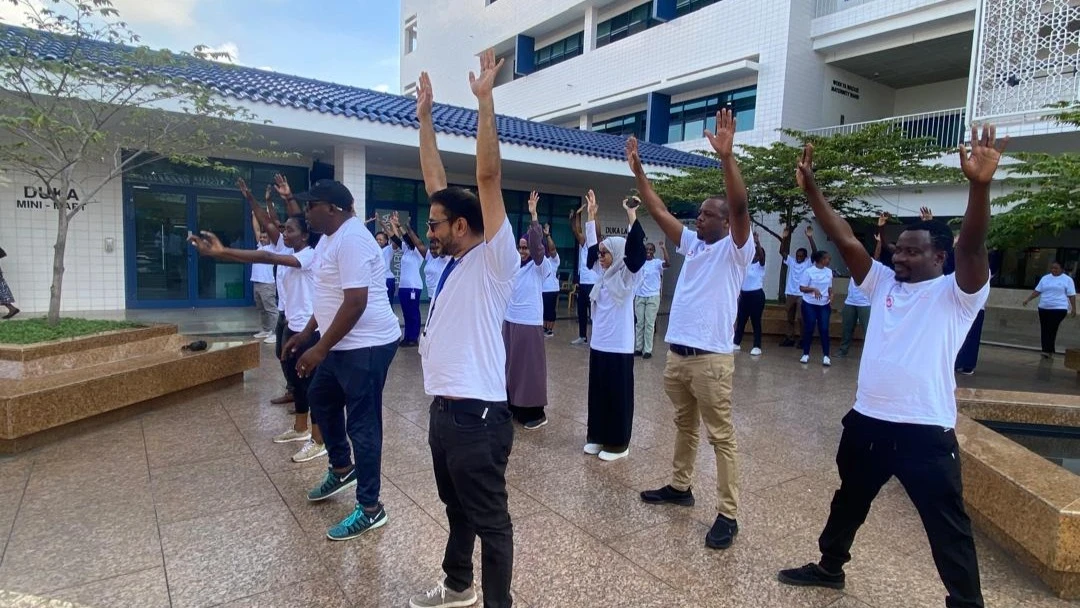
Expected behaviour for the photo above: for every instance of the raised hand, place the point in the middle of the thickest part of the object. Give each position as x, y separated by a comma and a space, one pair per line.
534, 200
877, 237
785, 233
547, 230
425, 97
395, 223
883, 219
281, 185
242, 185
809, 232
632, 156
591, 204
925, 214
724, 139
207, 244
980, 162
266, 195
804, 174
483, 84
371, 219
757, 237
630, 205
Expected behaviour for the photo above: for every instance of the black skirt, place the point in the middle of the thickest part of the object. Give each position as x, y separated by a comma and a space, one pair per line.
611, 398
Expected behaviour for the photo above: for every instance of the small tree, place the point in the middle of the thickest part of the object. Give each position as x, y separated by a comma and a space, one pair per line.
1045, 202
850, 168
71, 97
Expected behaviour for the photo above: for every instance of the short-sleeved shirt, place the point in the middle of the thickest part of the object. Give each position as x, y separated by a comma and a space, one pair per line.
551, 274
915, 332
755, 277
855, 296
410, 267
795, 274
1054, 291
387, 254
350, 259
821, 280
586, 275
433, 268
707, 292
527, 299
648, 279
461, 349
263, 273
281, 249
297, 289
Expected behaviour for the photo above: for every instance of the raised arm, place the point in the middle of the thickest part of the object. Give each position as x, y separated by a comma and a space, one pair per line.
535, 235
759, 251
431, 164
259, 213
723, 142
673, 228
488, 161
414, 238
810, 237
592, 237
575, 225
661, 247
281, 185
785, 243
209, 245
879, 236
634, 253
979, 165
855, 256
549, 243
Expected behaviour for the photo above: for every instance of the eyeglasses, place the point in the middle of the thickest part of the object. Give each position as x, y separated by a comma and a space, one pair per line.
431, 224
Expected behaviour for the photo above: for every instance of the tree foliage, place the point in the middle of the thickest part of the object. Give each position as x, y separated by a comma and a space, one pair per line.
70, 98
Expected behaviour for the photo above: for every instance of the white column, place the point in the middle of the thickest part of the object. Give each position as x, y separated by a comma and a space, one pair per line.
350, 168
585, 122
590, 28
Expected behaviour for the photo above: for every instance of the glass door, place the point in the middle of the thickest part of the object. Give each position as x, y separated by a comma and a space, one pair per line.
222, 283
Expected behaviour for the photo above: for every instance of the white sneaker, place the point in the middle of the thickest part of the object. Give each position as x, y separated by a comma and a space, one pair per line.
755, 352
441, 597
738, 347
310, 451
292, 435
804, 359
826, 362
609, 456
261, 334
580, 341
592, 449
271, 339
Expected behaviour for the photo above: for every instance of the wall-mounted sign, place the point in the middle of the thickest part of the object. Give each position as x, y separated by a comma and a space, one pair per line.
38, 197
847, 90
616, 231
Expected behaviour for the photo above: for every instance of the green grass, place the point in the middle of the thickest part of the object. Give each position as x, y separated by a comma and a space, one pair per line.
32, 331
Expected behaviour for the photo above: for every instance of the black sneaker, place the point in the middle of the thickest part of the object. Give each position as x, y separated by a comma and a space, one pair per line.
532, 425
787, 342
637, 353
647, 356
722, 533
811, 575
668, 494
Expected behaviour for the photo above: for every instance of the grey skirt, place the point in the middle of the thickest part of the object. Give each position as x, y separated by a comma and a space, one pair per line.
5, 292
526, 365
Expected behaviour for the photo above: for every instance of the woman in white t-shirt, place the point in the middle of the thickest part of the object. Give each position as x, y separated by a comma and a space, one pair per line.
752, 299
611, 350
816, 287
297, 287
551, 282
1057, 296
523, 331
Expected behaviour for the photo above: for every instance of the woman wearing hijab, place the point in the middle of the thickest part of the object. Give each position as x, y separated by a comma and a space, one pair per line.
611, 353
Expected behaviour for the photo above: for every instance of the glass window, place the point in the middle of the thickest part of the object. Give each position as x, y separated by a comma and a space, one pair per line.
559, 51
685, 7
689, 119
631, 124
637, 19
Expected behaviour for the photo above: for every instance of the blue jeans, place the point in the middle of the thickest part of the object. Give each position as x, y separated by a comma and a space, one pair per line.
815, 315
346, 396
410, 309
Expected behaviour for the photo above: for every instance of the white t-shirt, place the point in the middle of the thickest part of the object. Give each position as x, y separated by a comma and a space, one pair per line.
297, 289
855, 296
586, 275
707, 293
410, 267
755, 277
281, 249
387, 254
263, 273
462, 349
350, 259
915, 331
795, 274
551, 274
433, 269
820, 279
526, 300
648, 278
1054, 291
613, 322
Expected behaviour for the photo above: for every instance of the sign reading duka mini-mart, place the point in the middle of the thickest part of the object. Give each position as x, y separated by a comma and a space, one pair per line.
38, 197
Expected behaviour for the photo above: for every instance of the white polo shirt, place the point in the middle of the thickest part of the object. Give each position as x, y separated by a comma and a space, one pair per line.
915, 331
410, 267
387, 254
795, 274
298, 288
551, 274
820, 279
707, 293
855, 296
649, 278
263, 273
755, 277
433, 269
461, 350
1054, 291
350, 259
586, 276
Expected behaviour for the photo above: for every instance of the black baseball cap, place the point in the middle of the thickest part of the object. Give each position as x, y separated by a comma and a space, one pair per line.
328, 191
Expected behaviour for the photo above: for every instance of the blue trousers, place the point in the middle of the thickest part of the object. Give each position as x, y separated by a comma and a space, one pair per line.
390, 284
410, 309
814, 315
346, 396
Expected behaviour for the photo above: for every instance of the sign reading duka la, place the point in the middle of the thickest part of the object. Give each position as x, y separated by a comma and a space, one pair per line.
38, 197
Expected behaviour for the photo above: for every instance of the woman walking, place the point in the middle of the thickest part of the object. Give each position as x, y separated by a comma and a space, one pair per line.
611, 352
1057, 296
816, 288
752, 299
7, 299
523, 331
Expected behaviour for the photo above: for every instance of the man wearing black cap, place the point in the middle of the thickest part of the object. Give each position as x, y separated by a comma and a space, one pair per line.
358, 339
464, 359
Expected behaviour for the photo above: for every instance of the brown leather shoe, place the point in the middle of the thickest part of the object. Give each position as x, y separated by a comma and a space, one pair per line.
286, 398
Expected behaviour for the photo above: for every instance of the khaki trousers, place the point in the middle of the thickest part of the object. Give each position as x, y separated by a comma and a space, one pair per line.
793, 308
700, 389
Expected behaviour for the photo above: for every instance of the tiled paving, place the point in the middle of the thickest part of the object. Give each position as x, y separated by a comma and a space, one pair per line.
194, 506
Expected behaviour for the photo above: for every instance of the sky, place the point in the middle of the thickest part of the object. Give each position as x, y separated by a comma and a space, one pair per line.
352, 42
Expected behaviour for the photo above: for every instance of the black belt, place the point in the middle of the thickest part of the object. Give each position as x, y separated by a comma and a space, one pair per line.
687, 351
466, 406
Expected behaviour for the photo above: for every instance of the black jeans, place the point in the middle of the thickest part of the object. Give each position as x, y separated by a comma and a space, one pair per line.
300, 385
1049, 322
751, 306
584, 306
347, 391
470, 445
279, 332
926, 460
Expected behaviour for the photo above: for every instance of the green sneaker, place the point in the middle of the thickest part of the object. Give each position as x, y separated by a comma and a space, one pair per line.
357, 523
332, 484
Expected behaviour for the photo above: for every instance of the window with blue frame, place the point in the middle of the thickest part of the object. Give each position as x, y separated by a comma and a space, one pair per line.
685, 7
633, 21
559, 51
630, 124
690, 119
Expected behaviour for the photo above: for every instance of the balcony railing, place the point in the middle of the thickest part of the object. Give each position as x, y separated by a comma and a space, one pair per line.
946, 127
828, 7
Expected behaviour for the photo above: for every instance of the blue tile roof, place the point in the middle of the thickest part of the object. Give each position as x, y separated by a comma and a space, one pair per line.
317, 96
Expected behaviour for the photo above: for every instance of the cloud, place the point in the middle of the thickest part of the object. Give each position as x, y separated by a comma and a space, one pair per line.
382, 88
18, 14
229, 48
174, 13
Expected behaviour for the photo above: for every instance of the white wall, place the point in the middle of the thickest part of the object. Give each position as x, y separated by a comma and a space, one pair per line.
94, 278
943, 95
875, 100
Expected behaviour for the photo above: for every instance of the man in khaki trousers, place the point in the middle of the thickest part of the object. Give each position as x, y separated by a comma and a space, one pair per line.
701, 360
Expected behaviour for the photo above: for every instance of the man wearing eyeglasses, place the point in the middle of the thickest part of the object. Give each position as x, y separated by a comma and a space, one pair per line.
464, 359
359, 337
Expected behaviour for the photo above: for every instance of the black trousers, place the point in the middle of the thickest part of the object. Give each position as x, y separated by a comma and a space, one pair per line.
279, 334
300, 385
584, 306
751, 306
968, 356
611, 399
470, 444
550, 300
1049, 322
926, 460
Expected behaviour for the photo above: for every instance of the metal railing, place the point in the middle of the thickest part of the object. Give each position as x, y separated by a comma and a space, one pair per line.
946, 127
828, 7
